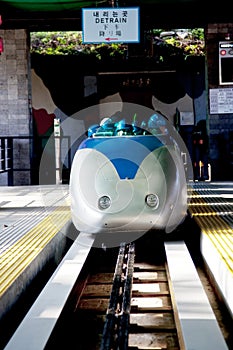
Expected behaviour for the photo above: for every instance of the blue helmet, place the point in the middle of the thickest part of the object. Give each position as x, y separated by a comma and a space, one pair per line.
122, 126
92, 129
156, 121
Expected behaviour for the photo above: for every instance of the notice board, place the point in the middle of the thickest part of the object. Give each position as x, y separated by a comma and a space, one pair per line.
221, 100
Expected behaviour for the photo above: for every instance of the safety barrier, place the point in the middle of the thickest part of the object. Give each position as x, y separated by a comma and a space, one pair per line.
23, 154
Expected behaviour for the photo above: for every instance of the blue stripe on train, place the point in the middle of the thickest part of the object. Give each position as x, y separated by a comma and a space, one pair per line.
125, 153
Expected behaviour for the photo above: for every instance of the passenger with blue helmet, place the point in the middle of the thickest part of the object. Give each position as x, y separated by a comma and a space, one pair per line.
92, 130
123, 129
157, 124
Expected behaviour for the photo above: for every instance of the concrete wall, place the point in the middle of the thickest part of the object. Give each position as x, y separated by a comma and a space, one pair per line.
14, 100
15, 103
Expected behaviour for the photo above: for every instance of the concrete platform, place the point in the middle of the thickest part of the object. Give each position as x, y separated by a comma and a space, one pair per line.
34, 223
211, 206
36, 328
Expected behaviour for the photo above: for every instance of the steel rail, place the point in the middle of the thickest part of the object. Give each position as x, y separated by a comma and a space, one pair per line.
116, 327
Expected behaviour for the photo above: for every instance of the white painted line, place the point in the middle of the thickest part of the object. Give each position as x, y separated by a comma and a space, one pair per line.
222, 274
198, 324
35, 329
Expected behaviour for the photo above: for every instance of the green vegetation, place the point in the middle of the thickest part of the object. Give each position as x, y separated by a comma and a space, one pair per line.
190, 41
56, 43
187, 42
70, 43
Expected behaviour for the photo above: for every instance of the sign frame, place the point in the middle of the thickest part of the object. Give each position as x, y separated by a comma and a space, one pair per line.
225, 63
110, 25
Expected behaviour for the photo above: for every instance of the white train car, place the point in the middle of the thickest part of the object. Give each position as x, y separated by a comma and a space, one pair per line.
126, 178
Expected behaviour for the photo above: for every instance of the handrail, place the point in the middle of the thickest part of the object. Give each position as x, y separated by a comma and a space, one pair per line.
8, 156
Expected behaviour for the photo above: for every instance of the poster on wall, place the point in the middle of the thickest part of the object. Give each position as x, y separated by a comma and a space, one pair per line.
221, 100
186, 118
110, 25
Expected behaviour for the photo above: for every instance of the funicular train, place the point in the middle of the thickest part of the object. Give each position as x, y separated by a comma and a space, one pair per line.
127, 177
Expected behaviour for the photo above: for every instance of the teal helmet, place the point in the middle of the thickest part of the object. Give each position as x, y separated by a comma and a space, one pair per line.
92, 129
122, 126
156, 121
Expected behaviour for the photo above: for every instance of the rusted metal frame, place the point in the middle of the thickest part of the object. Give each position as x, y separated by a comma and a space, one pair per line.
123, 332
108, 336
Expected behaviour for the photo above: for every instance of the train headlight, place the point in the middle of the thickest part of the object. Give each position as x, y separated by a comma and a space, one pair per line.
104, 202
152, 200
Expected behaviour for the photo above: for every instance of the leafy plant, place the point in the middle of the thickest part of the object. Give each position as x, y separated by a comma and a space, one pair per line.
191, 42
70, 43
174, 42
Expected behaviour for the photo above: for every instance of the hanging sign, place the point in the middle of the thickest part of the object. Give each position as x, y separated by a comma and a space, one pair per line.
110, 25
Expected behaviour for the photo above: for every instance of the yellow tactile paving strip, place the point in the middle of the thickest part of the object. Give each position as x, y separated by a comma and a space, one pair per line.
14, 260
214, 224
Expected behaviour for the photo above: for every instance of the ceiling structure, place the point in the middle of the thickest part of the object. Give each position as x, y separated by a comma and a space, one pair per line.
66, 14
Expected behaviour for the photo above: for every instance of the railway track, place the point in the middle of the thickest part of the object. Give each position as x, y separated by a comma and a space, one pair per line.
141, 295
123, 301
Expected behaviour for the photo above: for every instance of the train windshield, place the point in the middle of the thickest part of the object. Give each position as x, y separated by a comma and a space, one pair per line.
117, 129
155, 125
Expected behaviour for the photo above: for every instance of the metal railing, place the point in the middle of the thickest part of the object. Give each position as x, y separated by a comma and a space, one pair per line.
11, 159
